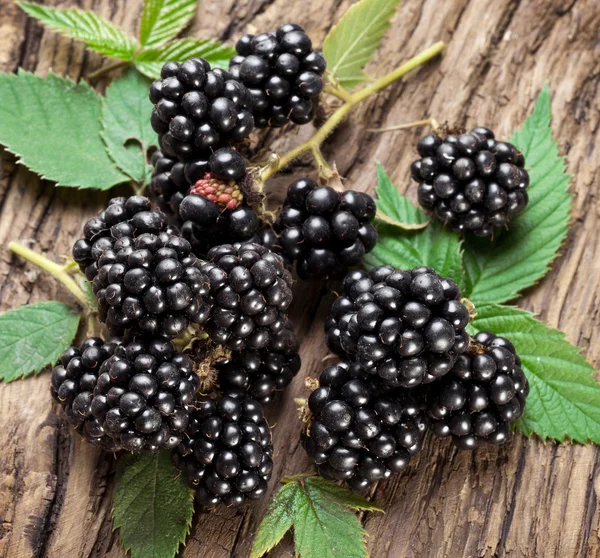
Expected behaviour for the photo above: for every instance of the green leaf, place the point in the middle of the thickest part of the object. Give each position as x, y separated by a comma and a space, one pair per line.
351, 43
126, 129
96, 32
152, 505
151, 61
564, 397
433, 245
34, 336
164, 19
319, 512
497, 271
53, 126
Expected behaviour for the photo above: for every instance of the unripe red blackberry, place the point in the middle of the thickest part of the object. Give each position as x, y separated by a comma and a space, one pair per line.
471, 182
325, 231
356, 435
226, 453
283, 74
482, 396
406, 327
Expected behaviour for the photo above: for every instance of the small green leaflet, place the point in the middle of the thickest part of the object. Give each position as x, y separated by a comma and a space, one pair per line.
151, 61
126, 129
517, 259
564, 398
433, 245
53, 126
351, 43
96, 32
152, 505
164, 19
34, 336
319, 512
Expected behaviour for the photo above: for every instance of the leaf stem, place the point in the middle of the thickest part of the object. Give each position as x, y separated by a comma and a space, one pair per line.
59, 272
354, 99
402, 126
103, 70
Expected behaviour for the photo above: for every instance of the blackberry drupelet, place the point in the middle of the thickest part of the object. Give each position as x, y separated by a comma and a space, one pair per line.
250, 290
197, 109
406, 327
482, 396
123, 217
72, 384
283, 74
471, 182
356, 434
226, 453
324, 230
144, 395
150, 283
169, 183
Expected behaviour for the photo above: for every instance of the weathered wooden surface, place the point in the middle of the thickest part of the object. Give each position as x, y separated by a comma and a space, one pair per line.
524, 499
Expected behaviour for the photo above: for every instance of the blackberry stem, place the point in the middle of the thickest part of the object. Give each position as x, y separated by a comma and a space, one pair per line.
324, 171
59, 272
427, 122
353, 99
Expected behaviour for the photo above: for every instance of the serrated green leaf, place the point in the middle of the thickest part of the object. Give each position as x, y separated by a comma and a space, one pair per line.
319, 512
34, 336
152, 506
151, 61
351, 43
433, 245
564, 397
96, 32
53, 126
518, 258
126, 128
164, 19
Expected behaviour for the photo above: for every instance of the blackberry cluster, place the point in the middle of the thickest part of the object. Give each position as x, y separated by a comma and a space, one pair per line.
472, 182
357, 435
250, 291
482, 396
283, 74
324, 230
124, 217
227, 452
72, 385
406, 327
197, 109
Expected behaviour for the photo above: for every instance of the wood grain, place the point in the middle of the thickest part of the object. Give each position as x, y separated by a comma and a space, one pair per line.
523, 499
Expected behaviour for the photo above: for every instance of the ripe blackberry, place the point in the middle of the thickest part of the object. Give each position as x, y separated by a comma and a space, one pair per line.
250, 290
357, 435
324, 230
407, 327
282, 73
197, 109
123, 217
482, 396
227, 452
144, 394
472, 182
72, 384
169, 183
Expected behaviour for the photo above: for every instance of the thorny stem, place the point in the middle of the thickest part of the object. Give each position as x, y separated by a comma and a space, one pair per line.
324, 171
338, 92
59, 272
353, 99
116, 65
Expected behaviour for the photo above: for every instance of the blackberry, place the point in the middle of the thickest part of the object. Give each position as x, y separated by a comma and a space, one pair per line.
406, 327
144, 394
150, 283
73, 381
250, 290
471, 182
227, 452
197, 109
357, 435
482, 396
267, 237
324, 230
283, 74
169, 183
123, 217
